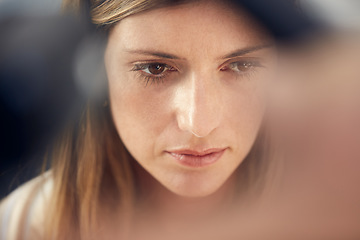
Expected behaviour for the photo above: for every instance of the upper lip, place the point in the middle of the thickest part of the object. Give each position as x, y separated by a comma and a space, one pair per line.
196, 152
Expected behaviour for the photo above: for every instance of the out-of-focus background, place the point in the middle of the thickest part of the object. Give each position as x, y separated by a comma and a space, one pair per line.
33, 6
43, 81
15, 169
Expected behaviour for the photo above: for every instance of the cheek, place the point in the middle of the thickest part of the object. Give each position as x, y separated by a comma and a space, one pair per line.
139, 116
246, 125
245, 110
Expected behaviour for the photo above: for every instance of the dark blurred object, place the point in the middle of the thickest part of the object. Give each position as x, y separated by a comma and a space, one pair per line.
38, 93
283, 18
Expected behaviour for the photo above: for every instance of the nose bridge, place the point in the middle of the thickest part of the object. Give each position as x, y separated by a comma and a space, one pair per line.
200, 111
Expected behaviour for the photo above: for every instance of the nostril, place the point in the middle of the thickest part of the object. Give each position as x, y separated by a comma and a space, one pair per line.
196, 127
198, 135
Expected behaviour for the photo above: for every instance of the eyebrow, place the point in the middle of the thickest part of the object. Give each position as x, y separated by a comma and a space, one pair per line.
247, 50
154, 53
236, 53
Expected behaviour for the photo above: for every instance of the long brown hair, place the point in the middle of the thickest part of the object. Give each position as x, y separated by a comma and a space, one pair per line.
90, 165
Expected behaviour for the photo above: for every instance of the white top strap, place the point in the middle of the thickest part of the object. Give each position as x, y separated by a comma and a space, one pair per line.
13, 207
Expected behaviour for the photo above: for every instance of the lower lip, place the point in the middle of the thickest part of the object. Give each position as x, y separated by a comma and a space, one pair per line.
197, 161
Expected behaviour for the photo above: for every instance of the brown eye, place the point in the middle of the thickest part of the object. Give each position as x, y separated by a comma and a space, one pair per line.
244, 66
156, 68
153, 69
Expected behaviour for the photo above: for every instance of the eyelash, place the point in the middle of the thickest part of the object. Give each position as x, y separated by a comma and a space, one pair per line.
152, 78
148, 77
250, 65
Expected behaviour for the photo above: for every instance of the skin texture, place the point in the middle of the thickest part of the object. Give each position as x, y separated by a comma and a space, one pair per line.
201, 101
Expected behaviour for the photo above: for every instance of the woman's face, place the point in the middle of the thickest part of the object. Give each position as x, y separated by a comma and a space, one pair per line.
187, 91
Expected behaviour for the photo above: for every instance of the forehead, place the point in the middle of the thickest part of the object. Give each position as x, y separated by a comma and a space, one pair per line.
189, 28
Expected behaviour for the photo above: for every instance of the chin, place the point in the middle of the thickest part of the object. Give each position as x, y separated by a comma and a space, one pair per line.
196, 186
190, 193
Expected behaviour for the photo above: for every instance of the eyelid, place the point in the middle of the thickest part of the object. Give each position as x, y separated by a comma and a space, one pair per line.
258, 61
153, 61
143, 66
140, 68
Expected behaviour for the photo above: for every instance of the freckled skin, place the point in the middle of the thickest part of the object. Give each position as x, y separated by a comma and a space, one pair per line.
197, 105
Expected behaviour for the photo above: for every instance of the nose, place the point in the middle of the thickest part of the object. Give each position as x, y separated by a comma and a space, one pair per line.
198, 105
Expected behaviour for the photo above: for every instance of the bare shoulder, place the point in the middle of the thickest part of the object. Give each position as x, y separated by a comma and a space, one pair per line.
23, 210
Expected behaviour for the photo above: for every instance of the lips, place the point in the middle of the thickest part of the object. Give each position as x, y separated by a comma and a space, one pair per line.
196, 159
